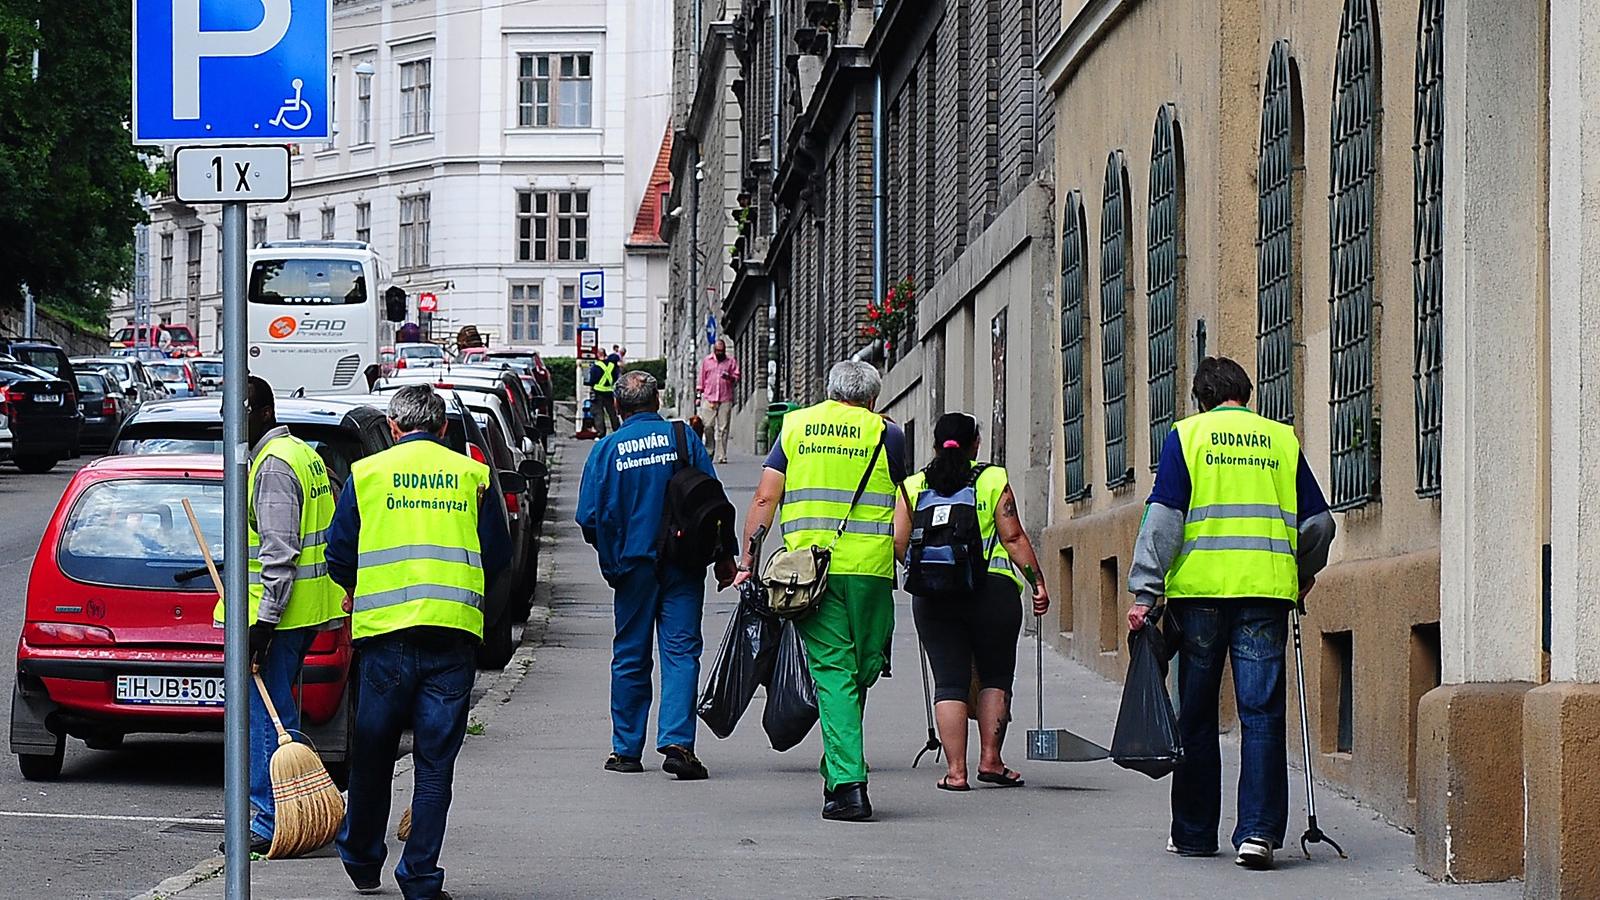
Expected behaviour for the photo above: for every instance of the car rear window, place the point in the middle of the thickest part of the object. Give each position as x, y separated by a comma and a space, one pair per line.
52, 361
119, 371
91, 382
207, 369
134, 533
168, 371
428, 352
338, 447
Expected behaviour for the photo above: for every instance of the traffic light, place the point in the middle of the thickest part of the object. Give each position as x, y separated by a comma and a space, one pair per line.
394, 303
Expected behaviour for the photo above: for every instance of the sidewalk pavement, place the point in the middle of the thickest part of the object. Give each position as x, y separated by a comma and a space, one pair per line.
535, 816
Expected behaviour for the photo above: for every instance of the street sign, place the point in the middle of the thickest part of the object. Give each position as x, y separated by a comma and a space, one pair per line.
220, 174
591, 292
588, 343
257, 72
590, 313
711, 330
427, 302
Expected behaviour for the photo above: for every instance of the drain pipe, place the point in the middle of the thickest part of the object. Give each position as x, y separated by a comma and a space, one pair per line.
772, 180
880, 264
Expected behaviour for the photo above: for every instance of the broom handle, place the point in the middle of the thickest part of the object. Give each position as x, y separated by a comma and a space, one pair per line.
216, 582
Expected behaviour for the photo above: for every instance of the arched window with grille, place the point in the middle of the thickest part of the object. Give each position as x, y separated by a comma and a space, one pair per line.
1352, 419
1165, 277
1279, 173
1074, 334
1116, 287
1428, 244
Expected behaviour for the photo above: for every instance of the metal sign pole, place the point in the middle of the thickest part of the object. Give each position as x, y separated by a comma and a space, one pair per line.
235, 638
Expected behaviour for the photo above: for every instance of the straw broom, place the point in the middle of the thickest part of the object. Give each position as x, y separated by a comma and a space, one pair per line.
308, 807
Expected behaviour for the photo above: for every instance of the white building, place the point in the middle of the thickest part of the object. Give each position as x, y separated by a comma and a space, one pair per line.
490, 151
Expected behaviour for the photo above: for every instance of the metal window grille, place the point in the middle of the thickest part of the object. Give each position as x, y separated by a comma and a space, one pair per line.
1074, 333
1115, 286
1276, 288
1165, 241
1352, 420
1428, 243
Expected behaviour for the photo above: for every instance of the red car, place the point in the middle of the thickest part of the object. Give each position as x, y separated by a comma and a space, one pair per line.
117, 636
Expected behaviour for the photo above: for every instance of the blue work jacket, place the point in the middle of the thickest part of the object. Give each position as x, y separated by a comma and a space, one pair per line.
624, 486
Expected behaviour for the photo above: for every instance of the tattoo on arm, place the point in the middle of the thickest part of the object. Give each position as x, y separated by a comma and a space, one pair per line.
1008, 507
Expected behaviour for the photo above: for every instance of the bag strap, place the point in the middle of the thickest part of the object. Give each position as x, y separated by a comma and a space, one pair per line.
860, 488
680, 433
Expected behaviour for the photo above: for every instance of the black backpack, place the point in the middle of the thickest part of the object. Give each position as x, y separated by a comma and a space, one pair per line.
696, 518
946, 557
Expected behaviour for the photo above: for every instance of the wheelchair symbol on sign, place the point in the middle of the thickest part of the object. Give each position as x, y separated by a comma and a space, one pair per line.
295, 104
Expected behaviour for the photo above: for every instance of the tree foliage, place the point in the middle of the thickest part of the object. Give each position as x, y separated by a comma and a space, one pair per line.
69, 174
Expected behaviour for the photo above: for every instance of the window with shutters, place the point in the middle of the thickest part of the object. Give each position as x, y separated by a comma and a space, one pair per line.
1280, 170
1116, 284
1353, 422
1074, 333
1428, 244
1165, 278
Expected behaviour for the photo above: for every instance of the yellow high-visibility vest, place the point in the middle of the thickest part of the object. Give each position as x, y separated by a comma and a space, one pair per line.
419, 558
827, 447
314, 598
1241, 532
607, 381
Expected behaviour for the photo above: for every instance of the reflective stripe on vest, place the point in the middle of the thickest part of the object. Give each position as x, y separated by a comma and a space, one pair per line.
418, 489
313, 598
827, 447
608, 378
1239, 536
991, 485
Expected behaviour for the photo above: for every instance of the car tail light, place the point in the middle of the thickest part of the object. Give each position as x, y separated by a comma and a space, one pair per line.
512, 505
61, 634
477, 454
400, 363
108, 406
444, 384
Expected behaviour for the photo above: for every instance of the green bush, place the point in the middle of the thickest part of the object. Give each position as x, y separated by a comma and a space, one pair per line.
656, 367
565, 374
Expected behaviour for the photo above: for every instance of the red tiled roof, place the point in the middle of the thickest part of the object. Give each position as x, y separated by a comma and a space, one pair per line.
647, 224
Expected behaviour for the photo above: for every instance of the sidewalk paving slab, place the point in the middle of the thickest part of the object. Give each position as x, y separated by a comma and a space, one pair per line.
535, 816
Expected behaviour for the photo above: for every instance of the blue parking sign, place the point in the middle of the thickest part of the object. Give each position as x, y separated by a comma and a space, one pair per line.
231, 71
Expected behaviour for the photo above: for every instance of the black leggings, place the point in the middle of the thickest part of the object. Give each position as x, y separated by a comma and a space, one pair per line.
980, 633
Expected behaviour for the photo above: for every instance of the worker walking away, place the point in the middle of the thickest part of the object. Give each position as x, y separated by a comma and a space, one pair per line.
603, 381
624, 501
290, 505
824, 456
719, 374
1234, 535
414, 544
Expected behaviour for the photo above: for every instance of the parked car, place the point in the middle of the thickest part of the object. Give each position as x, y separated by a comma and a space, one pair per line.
472, 354
419, 356
531, 369
177, 376
131, 375
42, 355
117, 635
208, 371
103, 405
170, 340
386, 360
45, 421
143, 354
5, 437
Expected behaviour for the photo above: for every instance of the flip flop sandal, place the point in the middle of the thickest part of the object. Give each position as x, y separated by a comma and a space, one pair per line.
1005, 779
945, 785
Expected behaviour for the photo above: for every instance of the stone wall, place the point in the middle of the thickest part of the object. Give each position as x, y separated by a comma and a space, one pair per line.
74, 340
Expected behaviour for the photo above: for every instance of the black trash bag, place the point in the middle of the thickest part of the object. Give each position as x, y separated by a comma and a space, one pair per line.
749, 648
792, 697
1147, 738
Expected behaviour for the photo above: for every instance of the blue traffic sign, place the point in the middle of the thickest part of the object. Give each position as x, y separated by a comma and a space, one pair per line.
231, 71
592, 290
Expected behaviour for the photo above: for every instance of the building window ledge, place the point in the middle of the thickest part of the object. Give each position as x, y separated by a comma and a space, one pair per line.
411, 139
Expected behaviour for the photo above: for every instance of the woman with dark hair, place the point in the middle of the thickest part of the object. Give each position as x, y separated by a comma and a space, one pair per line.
977, 631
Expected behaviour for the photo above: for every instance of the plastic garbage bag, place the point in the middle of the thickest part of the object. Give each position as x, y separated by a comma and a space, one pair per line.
792, 697
1147, 738
749, 648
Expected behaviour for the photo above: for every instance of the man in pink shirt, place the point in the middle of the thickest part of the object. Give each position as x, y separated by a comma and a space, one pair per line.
719, 372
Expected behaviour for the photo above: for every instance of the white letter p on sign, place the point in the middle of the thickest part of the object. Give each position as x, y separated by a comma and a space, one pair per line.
189, 44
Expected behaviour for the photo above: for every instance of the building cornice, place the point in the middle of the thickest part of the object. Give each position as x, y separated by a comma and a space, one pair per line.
748, 289
1088, 26
898, 25
708, 80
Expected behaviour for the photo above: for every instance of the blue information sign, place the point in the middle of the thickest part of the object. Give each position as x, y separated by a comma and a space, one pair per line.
231, 71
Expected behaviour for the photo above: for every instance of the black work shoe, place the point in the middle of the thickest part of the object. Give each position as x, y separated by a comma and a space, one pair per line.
681, 761
849, 804
258, 844
627, 764
367, 887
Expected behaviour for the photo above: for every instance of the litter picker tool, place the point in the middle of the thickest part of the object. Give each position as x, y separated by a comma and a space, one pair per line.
308, 808
933, 744
1314, 834
1054, 744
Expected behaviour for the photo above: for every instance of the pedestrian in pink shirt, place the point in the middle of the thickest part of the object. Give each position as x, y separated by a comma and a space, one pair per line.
719, 372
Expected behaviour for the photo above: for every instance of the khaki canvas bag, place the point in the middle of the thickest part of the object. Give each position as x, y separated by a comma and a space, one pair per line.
795, 579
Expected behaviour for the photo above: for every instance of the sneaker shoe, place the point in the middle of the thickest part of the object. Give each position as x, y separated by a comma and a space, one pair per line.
1174, 849
626, 764
1254, 853
682, 762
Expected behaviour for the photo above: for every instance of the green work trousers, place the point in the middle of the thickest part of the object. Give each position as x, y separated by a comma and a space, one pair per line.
847, 636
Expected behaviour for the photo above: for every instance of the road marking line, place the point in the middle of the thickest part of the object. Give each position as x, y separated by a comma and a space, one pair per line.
158, 820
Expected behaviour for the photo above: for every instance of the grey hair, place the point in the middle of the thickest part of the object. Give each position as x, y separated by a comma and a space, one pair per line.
853, 382
417, 407
636, 391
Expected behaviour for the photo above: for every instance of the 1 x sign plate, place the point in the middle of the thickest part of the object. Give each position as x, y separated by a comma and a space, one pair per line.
232, 174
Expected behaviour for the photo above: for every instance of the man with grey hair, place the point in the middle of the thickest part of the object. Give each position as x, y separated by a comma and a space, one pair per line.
621, 502
833, 471
417, 538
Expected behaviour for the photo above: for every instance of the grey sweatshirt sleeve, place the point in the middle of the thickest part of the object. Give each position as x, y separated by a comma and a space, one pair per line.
276, 509
1160, 539
1316, 536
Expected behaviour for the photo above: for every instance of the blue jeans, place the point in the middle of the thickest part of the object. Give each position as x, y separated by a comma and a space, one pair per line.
285, 657
427, 689
1252, 634
670, 606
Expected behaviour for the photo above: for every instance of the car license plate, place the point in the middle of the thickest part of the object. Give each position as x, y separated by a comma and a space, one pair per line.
169, 690
47, 398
